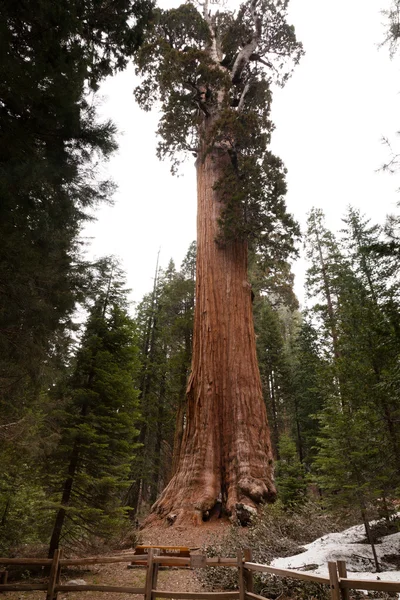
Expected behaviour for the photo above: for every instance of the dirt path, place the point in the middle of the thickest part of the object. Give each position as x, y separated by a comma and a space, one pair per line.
118, 574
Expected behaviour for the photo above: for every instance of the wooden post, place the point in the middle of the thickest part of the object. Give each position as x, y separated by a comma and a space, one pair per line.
53, 576
156, 566
334, 581
342, 570
58, 576
149, 575
4, 576
198, 561
242, 590
248, 575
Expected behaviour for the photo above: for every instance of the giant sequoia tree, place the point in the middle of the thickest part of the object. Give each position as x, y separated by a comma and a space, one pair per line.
212, 74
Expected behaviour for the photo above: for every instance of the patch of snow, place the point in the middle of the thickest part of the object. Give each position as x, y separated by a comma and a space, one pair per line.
344, 546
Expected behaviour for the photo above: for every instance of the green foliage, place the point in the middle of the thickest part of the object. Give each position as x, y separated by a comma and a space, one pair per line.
358, 442
290, 474
23, 521
51, 53
275, 532
272, 364
53, 56
22, 496
257, 188
352, 462
212, 100
97, 431
306, 375
289, 361
165, 327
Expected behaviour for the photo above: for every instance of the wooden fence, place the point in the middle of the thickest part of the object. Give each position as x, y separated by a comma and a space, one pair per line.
337, 581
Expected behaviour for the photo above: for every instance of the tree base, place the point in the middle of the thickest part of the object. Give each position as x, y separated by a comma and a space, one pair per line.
197, 513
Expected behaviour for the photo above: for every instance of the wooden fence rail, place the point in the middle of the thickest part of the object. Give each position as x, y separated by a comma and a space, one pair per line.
338, 582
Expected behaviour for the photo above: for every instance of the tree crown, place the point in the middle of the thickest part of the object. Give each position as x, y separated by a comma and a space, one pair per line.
212, 74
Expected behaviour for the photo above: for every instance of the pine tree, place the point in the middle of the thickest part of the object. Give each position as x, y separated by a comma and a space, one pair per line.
98, 430
307, 371
272, 364
370, 326
52, 56
165, 325
290, 474
323, 275
358, 340
352, 465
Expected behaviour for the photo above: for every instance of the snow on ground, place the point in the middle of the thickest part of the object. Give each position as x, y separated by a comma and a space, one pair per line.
347, 546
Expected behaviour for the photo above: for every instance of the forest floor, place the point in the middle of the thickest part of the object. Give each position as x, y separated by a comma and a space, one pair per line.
172, 579
349, 544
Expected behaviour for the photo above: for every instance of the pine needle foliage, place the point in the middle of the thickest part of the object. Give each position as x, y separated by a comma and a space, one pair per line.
53, 56
98, 430
290, 474
195, 67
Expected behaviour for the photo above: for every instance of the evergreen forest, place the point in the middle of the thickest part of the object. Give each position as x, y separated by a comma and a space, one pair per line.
94, 399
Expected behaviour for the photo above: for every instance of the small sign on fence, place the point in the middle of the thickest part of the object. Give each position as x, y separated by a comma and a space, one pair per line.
170, 551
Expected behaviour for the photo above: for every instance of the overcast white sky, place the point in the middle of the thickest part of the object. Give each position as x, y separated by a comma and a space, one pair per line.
330, 119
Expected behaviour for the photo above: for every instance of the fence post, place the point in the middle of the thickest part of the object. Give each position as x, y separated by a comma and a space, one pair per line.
342, 570
53, 576
155, 572
58, 576
242, 590
149, 574
334, 581
248, 575
4, 576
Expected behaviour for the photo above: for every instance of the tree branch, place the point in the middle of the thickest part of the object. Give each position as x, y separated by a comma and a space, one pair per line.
243, 58
243, 96
258, 58
7, 425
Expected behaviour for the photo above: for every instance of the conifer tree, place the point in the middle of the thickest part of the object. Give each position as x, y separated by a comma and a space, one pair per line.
212, 74
369, 325
352, 465
326, 268
361, 341
307, 370
290, 474
98, 424
165, 327
273, 368
53, 55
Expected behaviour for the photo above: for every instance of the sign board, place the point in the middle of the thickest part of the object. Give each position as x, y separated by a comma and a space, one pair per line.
170, 551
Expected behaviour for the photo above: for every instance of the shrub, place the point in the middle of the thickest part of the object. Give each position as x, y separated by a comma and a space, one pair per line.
275, 532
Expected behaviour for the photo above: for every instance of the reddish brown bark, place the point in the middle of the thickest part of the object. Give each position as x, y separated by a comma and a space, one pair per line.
226, 449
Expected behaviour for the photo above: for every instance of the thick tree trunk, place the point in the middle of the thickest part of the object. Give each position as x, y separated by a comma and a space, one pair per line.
226, 450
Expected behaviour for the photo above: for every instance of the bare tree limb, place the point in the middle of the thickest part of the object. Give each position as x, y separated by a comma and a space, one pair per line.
243, 96
7, 425
243, 58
